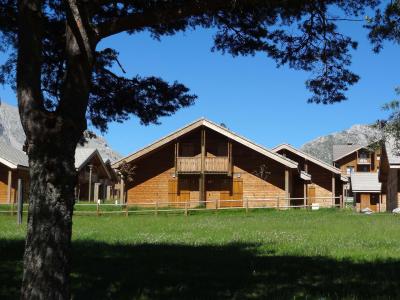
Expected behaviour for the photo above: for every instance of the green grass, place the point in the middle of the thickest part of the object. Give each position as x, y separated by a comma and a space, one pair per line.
292, 254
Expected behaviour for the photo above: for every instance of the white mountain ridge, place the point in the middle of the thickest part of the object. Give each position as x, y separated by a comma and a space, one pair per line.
359, 134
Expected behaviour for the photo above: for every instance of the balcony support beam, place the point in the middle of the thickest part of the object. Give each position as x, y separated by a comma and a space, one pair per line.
176, 157
202, 189
230, 165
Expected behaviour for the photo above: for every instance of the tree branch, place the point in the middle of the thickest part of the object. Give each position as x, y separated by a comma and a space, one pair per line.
155, 17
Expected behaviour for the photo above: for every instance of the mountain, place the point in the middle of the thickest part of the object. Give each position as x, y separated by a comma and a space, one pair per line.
11, 132
321, 147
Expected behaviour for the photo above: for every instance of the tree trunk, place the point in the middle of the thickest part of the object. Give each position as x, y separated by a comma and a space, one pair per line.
51, 200
52, 137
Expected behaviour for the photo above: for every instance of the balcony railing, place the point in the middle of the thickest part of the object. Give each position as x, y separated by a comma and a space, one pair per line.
211, 165
188, 164
216, 164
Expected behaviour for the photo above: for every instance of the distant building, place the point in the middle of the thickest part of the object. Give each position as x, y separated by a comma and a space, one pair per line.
95, 177
361, 165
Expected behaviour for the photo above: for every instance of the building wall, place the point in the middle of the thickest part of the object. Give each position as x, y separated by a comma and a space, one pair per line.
351, 160
15, 175
321, 180
152, 175
154, 179
392, 185
347, 161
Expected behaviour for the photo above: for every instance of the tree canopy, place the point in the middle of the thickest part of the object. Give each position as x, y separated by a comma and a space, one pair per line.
301, 34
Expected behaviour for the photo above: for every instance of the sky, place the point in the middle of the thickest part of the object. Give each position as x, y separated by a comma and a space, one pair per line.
248, 94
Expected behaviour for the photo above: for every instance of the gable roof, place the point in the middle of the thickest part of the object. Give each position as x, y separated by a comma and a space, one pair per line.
307, 157
340, 151
365, 182
12, 157
215, 127
84, 155
392, 155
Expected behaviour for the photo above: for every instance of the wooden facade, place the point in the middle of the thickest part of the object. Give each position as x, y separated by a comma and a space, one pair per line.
206, 165
389, 176
9, 183
360, 160
326, 184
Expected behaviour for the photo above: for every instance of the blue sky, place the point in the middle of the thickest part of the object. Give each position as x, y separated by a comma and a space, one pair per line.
249, 94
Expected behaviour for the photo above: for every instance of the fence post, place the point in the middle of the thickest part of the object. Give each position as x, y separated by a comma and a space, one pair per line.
97, 208
126, 209
186, 208
156, 210
341, 201
247, 206
277, 202
12, 208
20, 202
216, 204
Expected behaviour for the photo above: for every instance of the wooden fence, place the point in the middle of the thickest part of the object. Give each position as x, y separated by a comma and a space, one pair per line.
185, 207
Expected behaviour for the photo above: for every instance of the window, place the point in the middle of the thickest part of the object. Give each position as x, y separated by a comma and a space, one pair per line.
187, 149
364, 168
349, 170
222, 149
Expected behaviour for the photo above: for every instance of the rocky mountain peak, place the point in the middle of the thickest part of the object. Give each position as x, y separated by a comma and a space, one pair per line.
12, 133
359, 134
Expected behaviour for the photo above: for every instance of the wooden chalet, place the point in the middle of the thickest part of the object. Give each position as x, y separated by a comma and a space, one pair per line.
326, 184
95, 178
208, 165
361, 165
352, 158
13, 166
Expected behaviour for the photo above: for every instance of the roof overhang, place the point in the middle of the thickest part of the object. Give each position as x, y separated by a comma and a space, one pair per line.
215, 127
8, 163
344, 178
307, 157
305, 176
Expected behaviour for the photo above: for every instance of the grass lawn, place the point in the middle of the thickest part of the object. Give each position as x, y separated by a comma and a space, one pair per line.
267, 254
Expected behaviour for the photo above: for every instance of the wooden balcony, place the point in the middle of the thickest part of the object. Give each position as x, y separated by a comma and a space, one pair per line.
211, 165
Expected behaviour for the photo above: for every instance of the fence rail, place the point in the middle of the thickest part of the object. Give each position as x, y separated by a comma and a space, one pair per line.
156, 207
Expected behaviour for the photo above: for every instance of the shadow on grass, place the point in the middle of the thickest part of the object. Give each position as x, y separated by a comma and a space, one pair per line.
103, 271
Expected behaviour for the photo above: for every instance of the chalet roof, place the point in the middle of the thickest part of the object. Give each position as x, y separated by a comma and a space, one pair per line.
392, 155
215, 127
340, 151
12, 157
365, 182
84, 155
307, 157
